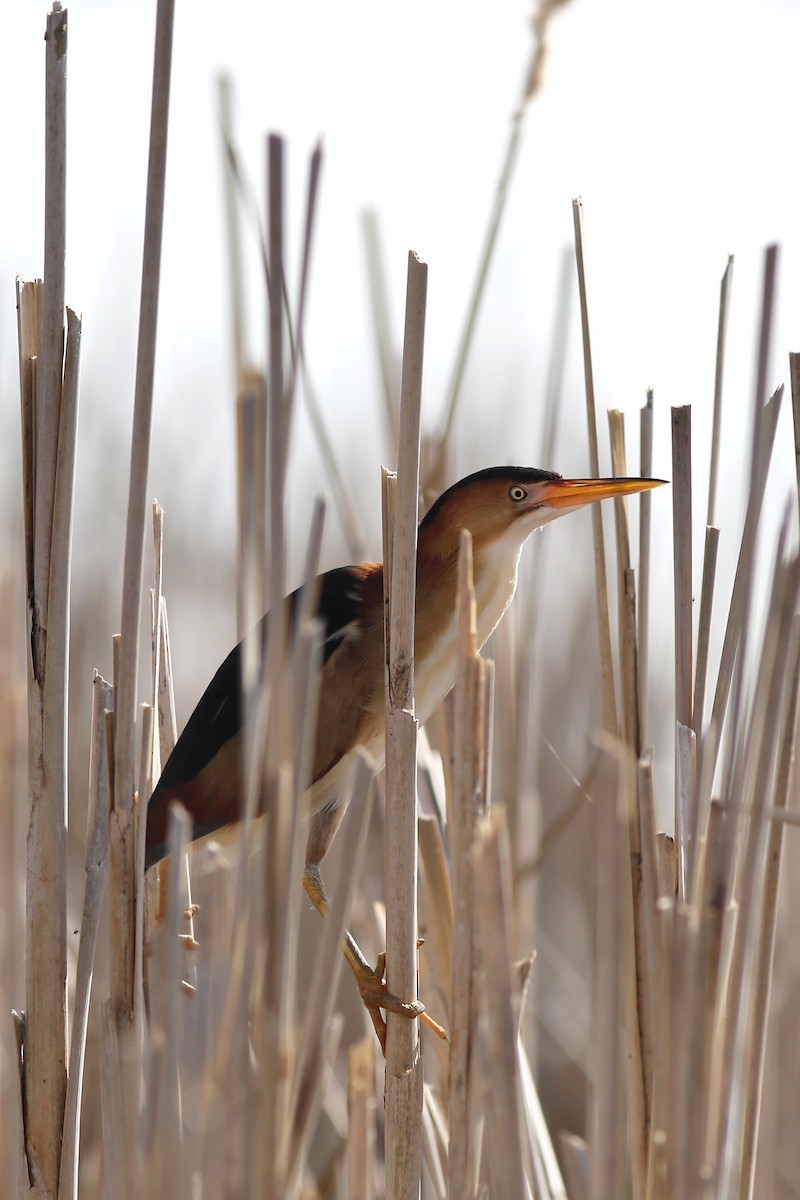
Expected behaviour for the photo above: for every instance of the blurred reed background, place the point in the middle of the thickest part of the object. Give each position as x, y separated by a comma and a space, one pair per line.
657, 1020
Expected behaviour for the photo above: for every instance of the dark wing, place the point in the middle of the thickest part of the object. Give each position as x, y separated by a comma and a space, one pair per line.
203, 769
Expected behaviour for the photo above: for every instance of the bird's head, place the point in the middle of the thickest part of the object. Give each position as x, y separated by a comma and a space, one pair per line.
508, 503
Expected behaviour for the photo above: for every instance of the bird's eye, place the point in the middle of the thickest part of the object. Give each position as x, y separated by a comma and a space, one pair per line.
517, 493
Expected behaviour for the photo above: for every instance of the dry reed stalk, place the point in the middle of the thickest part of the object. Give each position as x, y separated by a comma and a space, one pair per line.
682, 559
439, 935
122, 843
503, 1147
233, 233
643, 600
722, 329
704, 630
434, 1144
305, 1096
403, 1066
639, 1001
468, 794
794, 377
737, 609
762, 741
531, 85
766, 934
604, 628
546, 1173
165, 1165
607, 1127
361, 1119
94, 892
577, 1169
758, 470
49, 409
626, 596
388, 357
685, 807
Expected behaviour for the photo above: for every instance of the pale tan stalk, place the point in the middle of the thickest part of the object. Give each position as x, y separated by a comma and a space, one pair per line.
737, 609
682, 559
361, 1104
47, 584
549, 1180
233, 231
722, 328
685, 810
626, 596
319, 1027
439, 939
738, 1042
114, 1143
577, 1169
96, 876
531, 85
503, 1147
165, 1159
639, 1001
704, 629
123, 886
388, 357
758, 469
467, 794
607, 1119
794, 376
764, 966
403, 1065
610, 723
643, 599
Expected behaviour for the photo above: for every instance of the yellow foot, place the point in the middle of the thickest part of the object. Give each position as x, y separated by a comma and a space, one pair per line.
373, 991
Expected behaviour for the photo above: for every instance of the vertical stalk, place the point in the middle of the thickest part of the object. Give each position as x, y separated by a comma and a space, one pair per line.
403, 1065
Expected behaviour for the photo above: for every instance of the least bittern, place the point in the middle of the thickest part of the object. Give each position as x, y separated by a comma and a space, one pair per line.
500, 507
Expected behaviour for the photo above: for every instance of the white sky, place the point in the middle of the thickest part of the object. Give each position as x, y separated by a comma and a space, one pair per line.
676, 122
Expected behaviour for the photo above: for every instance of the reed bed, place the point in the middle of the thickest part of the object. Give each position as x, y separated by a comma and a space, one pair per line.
203, 1021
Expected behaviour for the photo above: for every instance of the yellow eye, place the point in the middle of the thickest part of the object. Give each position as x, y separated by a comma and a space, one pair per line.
517, 493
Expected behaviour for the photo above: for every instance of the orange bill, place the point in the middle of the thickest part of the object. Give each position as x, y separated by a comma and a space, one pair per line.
571, 493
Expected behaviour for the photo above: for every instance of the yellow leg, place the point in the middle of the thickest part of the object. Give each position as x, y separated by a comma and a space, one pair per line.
371, 985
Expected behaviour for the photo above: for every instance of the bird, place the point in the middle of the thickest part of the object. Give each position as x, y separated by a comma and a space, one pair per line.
501, 507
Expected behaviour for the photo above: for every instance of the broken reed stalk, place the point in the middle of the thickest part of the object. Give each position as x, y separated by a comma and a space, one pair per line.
49, 412
403, 1065
603, 620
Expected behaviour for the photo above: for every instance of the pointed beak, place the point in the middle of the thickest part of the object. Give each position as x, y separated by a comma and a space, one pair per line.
574, 493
